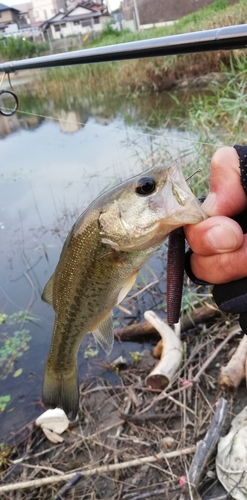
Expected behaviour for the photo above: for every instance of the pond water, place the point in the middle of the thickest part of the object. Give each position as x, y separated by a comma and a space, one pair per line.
55, 159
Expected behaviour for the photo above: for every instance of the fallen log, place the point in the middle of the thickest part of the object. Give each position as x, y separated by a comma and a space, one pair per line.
144, 329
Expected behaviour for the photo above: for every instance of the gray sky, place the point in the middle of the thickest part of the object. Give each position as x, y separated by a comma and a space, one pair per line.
114, 4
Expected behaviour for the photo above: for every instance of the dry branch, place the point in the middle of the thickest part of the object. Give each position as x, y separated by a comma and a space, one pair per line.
205, 449
199, 315
235, 371
216, 351
37, 483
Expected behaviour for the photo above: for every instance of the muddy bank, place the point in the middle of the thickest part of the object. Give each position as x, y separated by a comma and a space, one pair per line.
130, 442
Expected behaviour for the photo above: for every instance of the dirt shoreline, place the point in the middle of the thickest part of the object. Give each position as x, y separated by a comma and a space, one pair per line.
130, 421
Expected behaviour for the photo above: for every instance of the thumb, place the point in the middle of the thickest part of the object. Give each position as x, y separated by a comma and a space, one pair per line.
226, 196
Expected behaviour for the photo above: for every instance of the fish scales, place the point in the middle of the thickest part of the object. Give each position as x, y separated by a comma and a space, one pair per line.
75, 318
105, 249
91, 284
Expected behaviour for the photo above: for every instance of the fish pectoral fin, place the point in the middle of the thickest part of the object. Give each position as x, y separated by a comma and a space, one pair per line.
126, 288
47, 295
103, 334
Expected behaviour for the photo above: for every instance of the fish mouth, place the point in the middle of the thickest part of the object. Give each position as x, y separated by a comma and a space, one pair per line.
155, 234
190, 213
176, 203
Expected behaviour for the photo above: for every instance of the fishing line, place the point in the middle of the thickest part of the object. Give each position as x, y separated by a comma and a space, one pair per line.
116, 129
2, 79
8, 111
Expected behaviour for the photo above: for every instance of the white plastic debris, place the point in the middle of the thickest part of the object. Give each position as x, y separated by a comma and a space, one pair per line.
171, 356
231, 460
53, 422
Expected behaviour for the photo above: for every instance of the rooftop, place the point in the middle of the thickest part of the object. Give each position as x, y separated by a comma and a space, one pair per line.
6, 7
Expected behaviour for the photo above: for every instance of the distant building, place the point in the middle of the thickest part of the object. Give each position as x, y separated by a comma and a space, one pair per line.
97, 5
24, 25
81, 19
8, 16
35, 12
25, 14
118, 18
42, 10
146, 13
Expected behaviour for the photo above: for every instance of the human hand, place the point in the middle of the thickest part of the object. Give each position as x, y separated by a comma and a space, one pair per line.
218, 243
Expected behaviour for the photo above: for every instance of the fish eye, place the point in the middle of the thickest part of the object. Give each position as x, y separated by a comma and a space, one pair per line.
145, 186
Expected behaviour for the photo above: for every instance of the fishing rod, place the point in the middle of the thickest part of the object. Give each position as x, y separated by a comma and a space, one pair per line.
226, 38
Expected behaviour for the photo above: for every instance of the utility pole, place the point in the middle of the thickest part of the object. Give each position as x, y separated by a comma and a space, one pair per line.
137, 19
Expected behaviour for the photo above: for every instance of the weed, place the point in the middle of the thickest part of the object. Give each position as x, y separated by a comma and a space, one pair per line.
4, 401
5, 452
223, 112
18, 48
17, 317
13, 346
136, 356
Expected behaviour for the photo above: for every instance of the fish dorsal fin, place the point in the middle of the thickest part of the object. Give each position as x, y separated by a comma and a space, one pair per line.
103, 334
47, 295
126, 288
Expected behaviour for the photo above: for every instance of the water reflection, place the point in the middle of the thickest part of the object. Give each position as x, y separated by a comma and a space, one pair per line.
8, 125
51, 168
73, 112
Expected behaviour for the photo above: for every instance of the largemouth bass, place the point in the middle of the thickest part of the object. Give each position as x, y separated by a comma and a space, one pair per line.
98, 265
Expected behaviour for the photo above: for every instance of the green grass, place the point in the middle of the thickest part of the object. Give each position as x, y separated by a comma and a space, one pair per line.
223, 112
19, 48
218, 14
145, 76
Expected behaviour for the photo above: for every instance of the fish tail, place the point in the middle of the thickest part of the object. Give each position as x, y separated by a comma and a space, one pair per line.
61, 390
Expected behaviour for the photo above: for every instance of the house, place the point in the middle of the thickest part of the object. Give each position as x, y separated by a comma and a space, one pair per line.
97, 5
25, 14
35, 12
81, 19
8, 16
26, 27
141, 14
43, 10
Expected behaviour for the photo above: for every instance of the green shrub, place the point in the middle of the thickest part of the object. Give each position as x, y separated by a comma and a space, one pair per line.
19, 48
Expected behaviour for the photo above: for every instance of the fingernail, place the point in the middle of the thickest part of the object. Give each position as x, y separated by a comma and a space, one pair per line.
221, 238
209, 204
